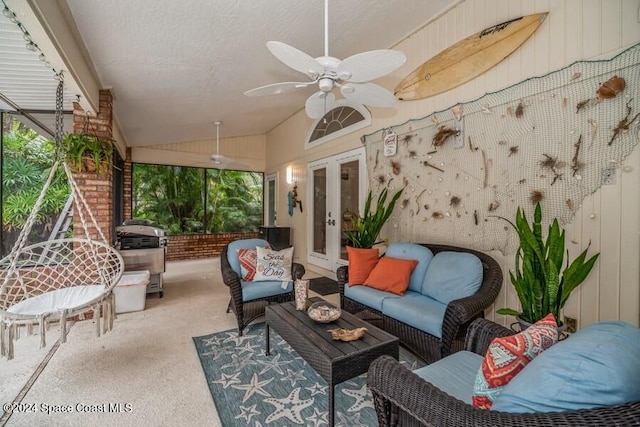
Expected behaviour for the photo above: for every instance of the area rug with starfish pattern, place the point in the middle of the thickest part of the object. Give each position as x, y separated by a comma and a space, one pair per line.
250, 388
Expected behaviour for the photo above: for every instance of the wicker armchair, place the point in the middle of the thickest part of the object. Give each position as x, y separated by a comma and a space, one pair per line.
248, 310
401, 398
459, 313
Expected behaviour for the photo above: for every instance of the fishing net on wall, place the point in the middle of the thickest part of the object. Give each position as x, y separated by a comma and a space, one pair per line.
554, 138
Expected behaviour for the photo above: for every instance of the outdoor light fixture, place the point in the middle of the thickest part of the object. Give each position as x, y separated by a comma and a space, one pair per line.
292, 196
289, 174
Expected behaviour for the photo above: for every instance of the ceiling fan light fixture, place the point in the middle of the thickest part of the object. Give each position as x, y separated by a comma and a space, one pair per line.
325, 84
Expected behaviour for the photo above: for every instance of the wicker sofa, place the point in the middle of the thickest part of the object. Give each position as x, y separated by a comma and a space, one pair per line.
404, 398
457, 316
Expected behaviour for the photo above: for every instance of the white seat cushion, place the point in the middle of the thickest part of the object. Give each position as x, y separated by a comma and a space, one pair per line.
60, 299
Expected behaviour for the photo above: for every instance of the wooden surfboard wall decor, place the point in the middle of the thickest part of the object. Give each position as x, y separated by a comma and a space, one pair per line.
468, 58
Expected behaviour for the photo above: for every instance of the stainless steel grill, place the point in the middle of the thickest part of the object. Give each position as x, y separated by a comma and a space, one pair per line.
143, 247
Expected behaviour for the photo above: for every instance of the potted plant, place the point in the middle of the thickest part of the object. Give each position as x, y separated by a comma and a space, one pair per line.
87, 153
365, 229
542, 285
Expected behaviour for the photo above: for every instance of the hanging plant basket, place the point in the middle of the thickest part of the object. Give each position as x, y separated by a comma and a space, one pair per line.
86, 152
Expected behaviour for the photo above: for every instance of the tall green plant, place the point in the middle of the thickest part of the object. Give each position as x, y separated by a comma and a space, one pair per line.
366, 228
541, 285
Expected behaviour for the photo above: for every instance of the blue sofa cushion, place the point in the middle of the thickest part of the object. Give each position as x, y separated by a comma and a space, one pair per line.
368, 296
454, 374
417, 310
232, 251
597, 366
256, 290
452, 275
420, 253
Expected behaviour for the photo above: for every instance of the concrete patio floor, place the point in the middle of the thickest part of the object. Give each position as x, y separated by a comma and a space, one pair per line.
147, 366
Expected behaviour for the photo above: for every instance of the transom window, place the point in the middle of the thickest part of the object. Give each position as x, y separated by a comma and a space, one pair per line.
341, 120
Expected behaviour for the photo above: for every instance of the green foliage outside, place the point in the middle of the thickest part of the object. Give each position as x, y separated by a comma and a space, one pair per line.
27, 159
174, 198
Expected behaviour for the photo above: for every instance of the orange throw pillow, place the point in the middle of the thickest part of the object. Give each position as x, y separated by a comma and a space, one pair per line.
361, 262
391, 275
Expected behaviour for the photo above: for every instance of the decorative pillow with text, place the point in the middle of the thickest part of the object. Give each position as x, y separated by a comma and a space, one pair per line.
248, 259
506, 356
273, 265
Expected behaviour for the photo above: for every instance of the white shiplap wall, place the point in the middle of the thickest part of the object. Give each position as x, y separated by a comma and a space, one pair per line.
575, 30
248, 150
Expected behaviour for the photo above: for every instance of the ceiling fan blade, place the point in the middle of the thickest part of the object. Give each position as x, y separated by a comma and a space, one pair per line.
319, 104
218, 161
296, 59
371, 65
368, 94
277, 88
235, 165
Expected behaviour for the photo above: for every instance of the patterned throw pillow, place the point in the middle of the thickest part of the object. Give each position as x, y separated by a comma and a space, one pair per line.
273, 265
248, 259
507, 356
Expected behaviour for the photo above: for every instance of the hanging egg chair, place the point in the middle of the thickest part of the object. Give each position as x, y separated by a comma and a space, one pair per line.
59, 279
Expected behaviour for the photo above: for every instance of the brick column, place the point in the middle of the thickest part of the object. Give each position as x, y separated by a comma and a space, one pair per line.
128, 186
96, 187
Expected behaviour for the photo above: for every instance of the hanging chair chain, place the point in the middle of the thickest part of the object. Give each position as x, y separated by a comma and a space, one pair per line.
59, 110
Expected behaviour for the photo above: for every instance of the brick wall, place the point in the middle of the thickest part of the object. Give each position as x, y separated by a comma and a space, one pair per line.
95, 186
127, 177
97, 192
201, 245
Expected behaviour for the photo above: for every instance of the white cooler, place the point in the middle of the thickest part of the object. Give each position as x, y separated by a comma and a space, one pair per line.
131, 291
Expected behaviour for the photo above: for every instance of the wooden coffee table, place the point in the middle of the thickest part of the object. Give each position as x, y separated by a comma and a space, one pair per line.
335, 361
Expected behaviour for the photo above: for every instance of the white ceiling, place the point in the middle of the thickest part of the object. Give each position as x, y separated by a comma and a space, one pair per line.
27, 82
177, 66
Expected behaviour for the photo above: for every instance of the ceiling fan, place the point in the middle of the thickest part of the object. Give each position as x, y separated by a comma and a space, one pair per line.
220, 161
351, 75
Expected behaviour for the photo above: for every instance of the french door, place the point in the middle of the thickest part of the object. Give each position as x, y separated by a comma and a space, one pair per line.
270, 197
337, 186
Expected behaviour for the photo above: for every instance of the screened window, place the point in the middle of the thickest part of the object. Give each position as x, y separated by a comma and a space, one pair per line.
27, 158
188, 200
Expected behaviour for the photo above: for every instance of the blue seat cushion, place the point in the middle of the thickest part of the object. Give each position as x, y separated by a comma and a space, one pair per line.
232, 251
256, 290
420, 253
597, 366
454, 374
368, 296
416, 310
452, 275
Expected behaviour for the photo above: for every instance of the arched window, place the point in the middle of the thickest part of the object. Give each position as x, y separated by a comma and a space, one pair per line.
341, 120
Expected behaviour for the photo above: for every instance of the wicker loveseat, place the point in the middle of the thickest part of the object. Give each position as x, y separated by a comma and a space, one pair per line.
405, 398
457, 314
